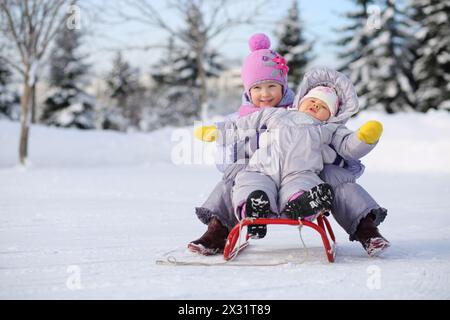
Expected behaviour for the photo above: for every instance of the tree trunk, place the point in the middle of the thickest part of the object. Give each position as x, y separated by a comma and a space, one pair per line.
33, 103
203, 85
24, 120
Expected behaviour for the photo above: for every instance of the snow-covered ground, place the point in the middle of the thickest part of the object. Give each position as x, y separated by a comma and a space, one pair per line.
94, 210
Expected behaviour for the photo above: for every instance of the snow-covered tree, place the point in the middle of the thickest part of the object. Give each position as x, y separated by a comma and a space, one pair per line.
293, 46
173, 106
122, 81
392, 87
9, 100
67, 66
176, 75
432, 64
179, 66
67, 105
379, 57
357, 62
125, 93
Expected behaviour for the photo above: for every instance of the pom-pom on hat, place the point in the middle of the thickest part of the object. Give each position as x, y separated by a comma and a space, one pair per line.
327, 95
263, 64
259, 41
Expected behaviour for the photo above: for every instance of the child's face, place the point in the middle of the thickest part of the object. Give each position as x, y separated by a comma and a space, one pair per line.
316, 108
266, 94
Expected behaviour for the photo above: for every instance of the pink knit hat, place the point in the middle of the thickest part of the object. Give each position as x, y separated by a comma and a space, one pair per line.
263, 64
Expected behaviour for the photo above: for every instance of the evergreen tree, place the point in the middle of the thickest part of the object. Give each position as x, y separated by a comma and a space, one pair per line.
67, 105
178, 82
185, 69
9, 100
392, 87
358, 64
293, 46
432, 63
5, 75
124, 89
122, 81
380, 65
67, 67
179, 66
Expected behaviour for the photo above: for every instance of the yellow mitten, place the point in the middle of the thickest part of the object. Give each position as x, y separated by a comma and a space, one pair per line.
206, 133
370, 132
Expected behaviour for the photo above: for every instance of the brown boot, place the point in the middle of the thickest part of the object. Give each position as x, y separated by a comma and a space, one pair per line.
212, 241
368, 235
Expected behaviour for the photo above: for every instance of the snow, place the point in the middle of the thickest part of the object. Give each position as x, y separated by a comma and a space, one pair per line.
95, 210
443, 58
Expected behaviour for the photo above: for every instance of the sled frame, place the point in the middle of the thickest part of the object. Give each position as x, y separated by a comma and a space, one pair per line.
322, 226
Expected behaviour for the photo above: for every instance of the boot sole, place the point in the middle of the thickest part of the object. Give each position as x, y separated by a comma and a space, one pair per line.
377, 246
257, 206
313, 202
201, 249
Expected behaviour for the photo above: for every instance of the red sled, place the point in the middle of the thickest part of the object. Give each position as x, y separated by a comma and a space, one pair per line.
322, 226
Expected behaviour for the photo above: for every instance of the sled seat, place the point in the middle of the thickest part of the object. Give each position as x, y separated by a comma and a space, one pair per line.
322, 226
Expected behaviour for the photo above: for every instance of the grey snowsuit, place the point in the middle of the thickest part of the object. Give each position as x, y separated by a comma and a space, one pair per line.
290, 156
352, 202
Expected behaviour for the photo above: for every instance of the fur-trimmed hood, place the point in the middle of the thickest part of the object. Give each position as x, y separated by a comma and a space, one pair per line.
323, 76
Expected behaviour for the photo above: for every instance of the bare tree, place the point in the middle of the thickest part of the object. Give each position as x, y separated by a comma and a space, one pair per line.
29, 27
206, 20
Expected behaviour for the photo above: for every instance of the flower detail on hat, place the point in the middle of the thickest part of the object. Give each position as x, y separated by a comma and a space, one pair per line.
281, 64
278, 62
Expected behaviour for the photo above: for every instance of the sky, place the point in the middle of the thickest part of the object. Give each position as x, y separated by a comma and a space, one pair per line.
319, 17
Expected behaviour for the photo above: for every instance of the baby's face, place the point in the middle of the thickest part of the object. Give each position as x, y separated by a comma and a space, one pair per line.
316, 108
266, 94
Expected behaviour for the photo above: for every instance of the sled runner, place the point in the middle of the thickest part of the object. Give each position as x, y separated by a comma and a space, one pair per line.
322, 226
